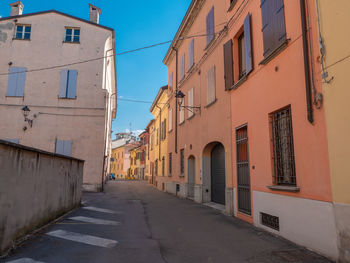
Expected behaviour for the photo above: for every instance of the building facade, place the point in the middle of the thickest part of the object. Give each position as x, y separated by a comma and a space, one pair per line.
247, 129
150, 152
159, 110
334, 68
62, 109
144, 138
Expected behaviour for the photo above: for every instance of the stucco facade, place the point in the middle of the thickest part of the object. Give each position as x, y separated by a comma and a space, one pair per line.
85, 119
150, 153
335, 71
250, 133
159, 110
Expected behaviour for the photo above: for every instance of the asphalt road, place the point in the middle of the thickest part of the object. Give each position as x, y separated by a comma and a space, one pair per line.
133, 222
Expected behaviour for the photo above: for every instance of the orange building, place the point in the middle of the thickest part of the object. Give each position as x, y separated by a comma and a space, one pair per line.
246, 125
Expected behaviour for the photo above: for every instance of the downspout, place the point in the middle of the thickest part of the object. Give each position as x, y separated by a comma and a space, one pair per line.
176, 90
160, 128
310, 115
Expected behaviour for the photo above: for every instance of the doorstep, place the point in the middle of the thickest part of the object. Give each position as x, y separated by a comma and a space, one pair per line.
216, 206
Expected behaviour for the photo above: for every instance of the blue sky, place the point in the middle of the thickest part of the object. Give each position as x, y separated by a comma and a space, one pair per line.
137, 23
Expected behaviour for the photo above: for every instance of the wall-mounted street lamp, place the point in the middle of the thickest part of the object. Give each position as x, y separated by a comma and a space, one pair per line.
26, 111
180, 96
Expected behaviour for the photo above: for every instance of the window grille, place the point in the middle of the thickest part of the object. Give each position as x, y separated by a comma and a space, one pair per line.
283, 147
182, 161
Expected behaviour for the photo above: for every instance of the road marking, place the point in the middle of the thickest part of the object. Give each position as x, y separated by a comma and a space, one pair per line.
94, 220
24, 260
100, 210
86, 239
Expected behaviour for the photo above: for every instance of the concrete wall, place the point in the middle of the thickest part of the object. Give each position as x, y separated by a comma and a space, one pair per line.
35, 188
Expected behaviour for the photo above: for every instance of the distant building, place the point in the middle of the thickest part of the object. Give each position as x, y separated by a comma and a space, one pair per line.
150, 152
120, 161
144, 138
63, 109
123, 138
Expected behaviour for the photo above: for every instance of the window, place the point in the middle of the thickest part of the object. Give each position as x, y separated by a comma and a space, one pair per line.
171, 80
163, 130
211, 86
210, 26
182, 162
191, 55
156, 168
182, 67
283, 147
190, 103
16, 82
273, 25
64, 147
163, 166
182, 112
72, 35
170, 124
170, 163
228, 64
68, 84
157, 136
241, 58
23, 32
152, 141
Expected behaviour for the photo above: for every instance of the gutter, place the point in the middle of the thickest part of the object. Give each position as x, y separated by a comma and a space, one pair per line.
310, 114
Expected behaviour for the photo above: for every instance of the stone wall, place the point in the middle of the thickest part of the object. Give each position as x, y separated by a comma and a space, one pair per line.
36, 187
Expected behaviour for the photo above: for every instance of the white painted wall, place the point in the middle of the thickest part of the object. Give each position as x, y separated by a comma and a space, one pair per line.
305, 222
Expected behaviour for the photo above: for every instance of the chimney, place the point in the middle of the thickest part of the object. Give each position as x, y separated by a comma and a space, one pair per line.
16, 8
94, 13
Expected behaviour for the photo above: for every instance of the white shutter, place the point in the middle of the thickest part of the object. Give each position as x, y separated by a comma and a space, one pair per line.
170, 125
182, 112
191, 54
190, 102
182, 67
211, 85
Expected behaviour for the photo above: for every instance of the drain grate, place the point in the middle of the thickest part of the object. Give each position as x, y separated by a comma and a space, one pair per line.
270, 221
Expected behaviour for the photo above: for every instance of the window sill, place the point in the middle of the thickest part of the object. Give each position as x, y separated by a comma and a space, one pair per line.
181, 123
64, 98
182, 175
14, 96
211, 103
274, 53
234, 2
291, 189
21, 39
239, 83
68, 42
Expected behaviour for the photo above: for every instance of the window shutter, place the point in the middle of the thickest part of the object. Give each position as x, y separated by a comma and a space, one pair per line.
72, 84
59, 147
16, 82
267, 25
279, 23
68, 148
191, 54
182, 65
248, 45
63, 84
211, 85
190, 102
228, 64
182, 112
164, 129
210, 26
171, 81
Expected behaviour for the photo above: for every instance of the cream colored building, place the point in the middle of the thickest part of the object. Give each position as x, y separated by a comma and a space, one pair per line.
58, 86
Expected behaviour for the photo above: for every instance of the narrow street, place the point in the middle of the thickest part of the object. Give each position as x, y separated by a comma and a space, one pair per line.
133, 222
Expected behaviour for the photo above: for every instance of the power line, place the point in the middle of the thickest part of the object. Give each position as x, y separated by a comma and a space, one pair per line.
99, 58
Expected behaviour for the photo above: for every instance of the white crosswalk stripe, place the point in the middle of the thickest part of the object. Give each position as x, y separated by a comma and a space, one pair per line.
86, 239
94, 220
24, 260
97, 209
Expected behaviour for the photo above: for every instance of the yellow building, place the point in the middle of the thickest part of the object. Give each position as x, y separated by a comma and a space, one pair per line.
133, 166
118, 162
159, 110
335, 65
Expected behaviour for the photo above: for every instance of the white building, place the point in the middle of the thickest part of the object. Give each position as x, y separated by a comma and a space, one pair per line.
62, 69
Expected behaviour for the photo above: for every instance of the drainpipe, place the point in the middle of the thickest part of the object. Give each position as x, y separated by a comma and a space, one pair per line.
310, 115
176, 90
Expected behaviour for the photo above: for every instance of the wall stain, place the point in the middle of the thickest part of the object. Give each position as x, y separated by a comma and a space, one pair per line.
3, 35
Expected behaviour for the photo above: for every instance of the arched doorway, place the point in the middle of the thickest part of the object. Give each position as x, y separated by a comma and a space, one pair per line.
191, 175
217, 172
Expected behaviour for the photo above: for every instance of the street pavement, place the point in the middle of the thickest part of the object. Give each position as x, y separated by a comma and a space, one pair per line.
134, 222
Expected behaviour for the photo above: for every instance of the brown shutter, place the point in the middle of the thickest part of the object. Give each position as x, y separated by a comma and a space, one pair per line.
248, 45
228, 64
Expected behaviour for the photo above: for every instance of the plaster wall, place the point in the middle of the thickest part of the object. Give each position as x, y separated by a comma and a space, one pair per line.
84, 120
35, 188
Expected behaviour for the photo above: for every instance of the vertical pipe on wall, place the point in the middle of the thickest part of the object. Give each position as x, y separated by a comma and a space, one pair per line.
310, 115
176, 90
